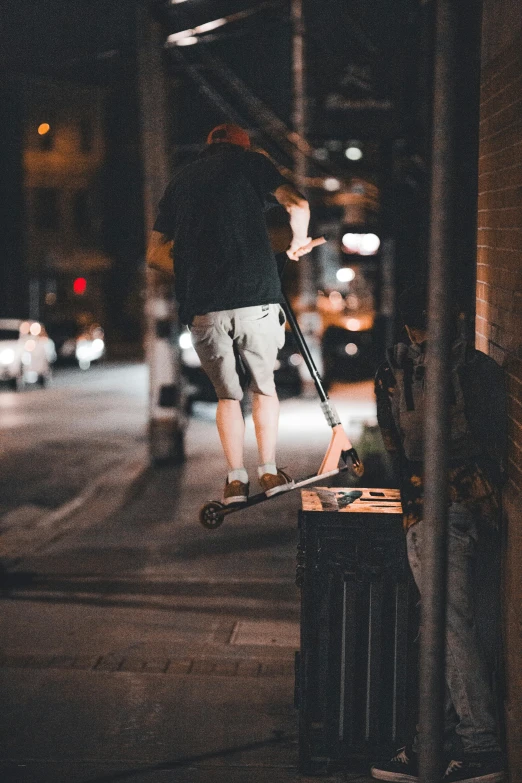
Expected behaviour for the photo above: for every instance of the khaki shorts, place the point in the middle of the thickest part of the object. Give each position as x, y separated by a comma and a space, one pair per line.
255, 333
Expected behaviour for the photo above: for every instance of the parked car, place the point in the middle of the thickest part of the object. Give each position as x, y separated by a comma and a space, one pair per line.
78, 345
64, 334
287, 371
348, 355
90, 346
26, 353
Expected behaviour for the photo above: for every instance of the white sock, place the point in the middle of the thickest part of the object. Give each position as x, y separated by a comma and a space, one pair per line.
239, 474
268, 467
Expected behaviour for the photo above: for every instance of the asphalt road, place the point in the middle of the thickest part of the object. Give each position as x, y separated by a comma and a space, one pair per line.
54, 441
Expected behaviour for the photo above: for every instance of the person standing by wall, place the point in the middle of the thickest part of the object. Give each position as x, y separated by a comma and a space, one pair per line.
477, 445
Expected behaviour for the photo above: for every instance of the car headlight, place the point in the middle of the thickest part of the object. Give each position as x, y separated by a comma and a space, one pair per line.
185, 340
190, 358
7, 356
83, 350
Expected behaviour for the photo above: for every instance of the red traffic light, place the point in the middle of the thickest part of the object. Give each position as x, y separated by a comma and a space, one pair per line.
80, 285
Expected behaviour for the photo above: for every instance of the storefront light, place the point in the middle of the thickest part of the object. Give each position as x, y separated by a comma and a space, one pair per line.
353, 153
345, 274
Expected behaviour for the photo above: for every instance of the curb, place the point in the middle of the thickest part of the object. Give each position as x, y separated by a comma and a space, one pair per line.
101, 498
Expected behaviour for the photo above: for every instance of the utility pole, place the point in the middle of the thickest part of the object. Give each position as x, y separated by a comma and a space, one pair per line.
166, 416
438, 380
300, 125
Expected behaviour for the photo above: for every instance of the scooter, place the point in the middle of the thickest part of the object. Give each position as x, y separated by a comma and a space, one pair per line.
340, 449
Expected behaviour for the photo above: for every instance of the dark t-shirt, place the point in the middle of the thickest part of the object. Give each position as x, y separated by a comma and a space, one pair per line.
213, 209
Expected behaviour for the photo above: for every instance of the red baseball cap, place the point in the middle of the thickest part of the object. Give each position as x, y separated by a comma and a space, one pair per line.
229, 134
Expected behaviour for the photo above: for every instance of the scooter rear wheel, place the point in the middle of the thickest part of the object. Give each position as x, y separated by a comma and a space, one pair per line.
211, 515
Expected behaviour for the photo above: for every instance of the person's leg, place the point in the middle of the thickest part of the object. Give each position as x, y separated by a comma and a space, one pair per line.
414, 550
260, 333
466, 670
265, 413
212, 336
231, 428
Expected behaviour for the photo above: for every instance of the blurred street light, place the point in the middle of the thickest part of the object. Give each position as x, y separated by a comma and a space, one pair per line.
188, 41
331, 184
345, 275
353, 153
361, 244
185, 36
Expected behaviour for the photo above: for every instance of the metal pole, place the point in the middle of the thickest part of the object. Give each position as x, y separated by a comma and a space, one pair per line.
304, 349
433, 589
166, 417
300, 119
300, 123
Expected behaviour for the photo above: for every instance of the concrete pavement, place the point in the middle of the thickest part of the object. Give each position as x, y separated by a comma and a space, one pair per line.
138, 646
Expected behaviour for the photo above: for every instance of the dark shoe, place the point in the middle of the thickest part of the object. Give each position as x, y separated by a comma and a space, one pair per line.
272, 483
402, 768
476, 768
235, 492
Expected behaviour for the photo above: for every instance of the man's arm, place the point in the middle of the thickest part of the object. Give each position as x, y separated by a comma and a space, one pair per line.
159, 253
299, 211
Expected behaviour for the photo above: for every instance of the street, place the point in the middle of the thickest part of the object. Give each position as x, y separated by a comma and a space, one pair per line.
364, 158
53, 441
136, 644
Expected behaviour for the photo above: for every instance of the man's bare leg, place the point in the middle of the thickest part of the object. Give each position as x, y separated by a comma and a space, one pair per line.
231, 428
265, 413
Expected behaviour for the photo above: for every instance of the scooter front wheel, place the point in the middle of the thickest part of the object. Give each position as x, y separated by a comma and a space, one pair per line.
211, 515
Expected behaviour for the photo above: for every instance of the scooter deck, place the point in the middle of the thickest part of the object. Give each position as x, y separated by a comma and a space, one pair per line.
212, 514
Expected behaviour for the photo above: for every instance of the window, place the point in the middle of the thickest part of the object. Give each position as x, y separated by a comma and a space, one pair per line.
46, 209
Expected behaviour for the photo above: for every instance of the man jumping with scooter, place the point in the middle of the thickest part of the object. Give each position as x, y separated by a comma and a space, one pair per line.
211, 220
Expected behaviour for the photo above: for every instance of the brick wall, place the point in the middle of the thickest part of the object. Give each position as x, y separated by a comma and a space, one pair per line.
499, 303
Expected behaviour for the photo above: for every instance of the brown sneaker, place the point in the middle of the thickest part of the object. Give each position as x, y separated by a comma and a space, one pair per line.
273, 483
235, 492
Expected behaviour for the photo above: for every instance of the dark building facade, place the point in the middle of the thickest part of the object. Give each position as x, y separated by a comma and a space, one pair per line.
52, 233
499, 303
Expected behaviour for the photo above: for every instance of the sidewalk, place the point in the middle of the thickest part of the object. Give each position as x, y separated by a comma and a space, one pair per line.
141, 647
